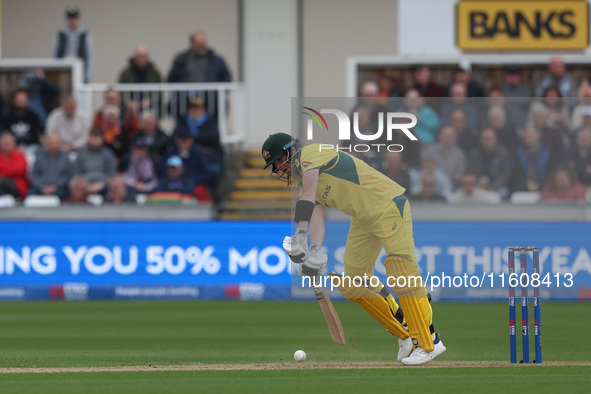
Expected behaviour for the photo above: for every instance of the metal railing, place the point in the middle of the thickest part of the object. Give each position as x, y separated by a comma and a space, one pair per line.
169, 100
225, 100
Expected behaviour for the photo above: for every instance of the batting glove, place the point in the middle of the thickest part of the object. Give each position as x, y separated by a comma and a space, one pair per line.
297, 246
315, 264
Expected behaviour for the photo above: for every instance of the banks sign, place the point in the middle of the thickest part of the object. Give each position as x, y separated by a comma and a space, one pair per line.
526, 25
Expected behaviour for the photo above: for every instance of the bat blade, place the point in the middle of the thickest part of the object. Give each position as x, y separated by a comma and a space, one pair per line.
331, 316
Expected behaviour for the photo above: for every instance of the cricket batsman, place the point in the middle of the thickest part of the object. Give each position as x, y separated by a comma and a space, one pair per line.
380, 217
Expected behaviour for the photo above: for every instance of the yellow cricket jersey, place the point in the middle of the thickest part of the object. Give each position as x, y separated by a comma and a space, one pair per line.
347, 183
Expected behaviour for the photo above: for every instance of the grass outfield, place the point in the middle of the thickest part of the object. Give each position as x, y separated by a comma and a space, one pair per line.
427, 380
190, 333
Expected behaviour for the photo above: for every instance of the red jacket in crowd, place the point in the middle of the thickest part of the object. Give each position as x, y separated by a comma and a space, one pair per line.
15, 168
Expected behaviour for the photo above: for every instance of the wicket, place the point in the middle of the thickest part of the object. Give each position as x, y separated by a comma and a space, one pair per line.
524, 280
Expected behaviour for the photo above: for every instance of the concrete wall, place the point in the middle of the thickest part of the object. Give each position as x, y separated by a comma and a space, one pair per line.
270, 66
332, 31
29, 27
337, 29
421, 41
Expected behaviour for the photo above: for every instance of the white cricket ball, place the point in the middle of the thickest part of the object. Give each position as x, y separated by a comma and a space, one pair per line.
299, 356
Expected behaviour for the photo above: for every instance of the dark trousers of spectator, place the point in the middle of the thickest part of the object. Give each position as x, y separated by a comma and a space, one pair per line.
62, 192
7, 186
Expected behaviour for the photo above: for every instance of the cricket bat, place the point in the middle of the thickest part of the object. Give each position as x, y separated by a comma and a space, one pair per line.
330, 314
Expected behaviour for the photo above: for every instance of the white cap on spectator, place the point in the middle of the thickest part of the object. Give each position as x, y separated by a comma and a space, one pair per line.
465, 65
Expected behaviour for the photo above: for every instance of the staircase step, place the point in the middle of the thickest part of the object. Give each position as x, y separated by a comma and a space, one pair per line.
245, 183
255, 172
255, 162
255, 194
254, 152
261, 194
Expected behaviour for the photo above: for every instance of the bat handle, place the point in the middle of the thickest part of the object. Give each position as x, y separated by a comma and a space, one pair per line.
317, 287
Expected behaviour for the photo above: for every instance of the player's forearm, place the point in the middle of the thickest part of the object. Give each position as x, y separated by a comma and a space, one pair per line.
308, 196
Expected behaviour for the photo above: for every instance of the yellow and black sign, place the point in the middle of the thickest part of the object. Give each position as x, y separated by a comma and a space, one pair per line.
530, 25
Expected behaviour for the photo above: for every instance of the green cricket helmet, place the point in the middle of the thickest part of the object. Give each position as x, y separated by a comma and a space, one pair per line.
276, 145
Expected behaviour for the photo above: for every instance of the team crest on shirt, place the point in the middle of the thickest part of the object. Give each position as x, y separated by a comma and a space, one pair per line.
266, 154
306, 163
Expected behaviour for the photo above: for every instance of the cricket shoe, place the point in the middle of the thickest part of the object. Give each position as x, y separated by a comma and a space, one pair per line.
404, 348
420, 356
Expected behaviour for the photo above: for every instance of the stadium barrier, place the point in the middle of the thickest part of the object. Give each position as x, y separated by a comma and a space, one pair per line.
215, 260
169, 100
226, 101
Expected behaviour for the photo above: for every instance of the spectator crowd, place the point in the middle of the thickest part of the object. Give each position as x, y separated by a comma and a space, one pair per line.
473, 145
49, 146
514, 142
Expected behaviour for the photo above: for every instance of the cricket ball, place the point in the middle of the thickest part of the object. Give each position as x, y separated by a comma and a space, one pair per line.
299, 356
